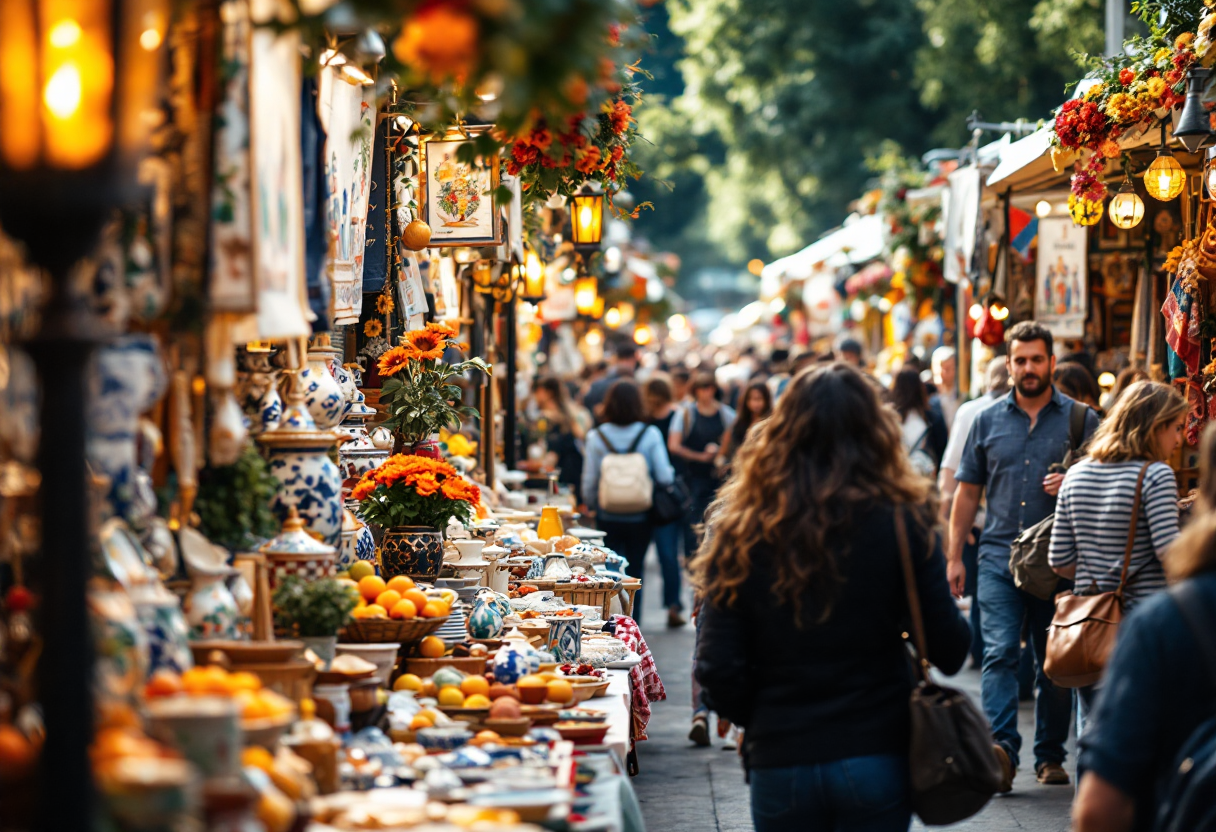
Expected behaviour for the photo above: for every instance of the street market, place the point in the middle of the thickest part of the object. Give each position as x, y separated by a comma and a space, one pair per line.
365, 407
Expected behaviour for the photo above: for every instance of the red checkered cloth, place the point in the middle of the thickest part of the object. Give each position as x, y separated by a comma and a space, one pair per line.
644, 681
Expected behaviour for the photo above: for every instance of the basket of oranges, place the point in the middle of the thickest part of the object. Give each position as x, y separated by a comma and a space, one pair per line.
393, 611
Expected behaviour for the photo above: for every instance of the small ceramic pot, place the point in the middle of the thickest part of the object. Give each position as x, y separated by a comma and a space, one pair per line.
550, 524
322, 393
211, 611
498, 600
295, 552
485, 621
565, 640
160, 613
120, 645
207, 730
510, 662
359, 454
413, 551
470, 550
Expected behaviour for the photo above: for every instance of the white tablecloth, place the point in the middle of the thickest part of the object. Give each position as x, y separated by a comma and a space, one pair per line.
615, 703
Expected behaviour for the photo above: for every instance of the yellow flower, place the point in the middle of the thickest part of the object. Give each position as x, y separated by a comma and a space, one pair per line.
1161, 56
1184, 40
373, 328
1156, 87
384, 303
1094, 92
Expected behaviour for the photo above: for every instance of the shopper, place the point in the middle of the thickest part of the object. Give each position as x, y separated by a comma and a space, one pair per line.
923, 429
805, 607
661, 410
1094, 511
1158, 687
1126, 378
565, 426
1074, 381
625, 366
1009, 455
945, 378
757, 405
625, 427
697, 432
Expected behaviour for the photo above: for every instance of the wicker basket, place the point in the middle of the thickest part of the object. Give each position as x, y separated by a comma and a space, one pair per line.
580, 594
381, 631
474, 665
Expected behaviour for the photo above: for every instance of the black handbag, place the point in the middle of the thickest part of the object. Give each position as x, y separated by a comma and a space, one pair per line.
669, 503
953, 768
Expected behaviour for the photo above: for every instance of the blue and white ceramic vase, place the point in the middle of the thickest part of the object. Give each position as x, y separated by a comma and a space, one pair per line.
211, 611
357, 542
323, 395
485, 621
359, 454
565, 639
309, 481
160, 613
510, 662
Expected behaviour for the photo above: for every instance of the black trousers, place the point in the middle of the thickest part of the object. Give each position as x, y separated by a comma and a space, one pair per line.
629, 540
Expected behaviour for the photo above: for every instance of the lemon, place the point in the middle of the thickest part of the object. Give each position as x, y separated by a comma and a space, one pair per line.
360, 569
451, 697
407, 681
477, 700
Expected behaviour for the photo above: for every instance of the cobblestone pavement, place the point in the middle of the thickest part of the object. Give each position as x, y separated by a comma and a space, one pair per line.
683, 788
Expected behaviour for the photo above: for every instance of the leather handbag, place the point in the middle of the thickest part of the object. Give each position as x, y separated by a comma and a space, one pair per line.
1083, 629
953, 767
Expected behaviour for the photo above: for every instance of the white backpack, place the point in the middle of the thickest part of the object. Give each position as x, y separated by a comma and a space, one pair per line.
626, 486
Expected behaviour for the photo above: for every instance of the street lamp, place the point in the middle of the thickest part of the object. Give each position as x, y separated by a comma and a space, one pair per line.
1126, 207
587, 219
1194, 128
532, 273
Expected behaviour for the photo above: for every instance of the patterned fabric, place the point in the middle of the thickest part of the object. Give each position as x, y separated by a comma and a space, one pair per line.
1182, 319
644, 681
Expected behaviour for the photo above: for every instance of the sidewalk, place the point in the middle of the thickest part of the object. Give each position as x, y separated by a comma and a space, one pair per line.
687, 789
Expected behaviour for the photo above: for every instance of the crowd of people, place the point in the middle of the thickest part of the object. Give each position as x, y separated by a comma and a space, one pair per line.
798, 476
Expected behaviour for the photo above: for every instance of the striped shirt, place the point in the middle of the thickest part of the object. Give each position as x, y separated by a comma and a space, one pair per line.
1092, 518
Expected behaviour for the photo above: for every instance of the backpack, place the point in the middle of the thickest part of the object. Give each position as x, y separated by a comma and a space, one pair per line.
1186, 803
1028, 555
625, 485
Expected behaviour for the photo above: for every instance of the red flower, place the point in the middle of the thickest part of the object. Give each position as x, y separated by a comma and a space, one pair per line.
524, 154
621, 116
614, 34
617, 153
610, 172
513, 167
541, 138
589, 161
1126, 76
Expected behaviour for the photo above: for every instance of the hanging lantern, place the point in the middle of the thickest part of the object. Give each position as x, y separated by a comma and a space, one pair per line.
1126, 207
1084, 211
534, 277
1164, 178
1194, 129
586, 293
587, 218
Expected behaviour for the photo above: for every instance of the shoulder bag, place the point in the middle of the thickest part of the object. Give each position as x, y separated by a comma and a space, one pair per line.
1083, 629
1028, 562
953, 769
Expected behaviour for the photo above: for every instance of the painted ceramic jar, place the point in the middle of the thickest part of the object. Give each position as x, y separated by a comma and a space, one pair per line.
485, 621
357, 541
323, 395
359, 454
211, 610
510, 662
565, 639
295, 552
119, 643
550, 524
160, 613
414, 551
309, 481
497, 600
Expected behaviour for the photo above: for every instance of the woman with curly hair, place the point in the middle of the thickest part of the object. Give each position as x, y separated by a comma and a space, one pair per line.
805, 607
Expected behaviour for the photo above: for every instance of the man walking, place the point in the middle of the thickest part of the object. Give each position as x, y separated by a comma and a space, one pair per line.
1010, 451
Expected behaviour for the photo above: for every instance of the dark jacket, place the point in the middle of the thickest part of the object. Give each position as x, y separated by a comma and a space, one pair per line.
837, 689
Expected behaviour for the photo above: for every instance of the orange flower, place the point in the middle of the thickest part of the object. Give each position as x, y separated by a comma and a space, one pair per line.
393, 361
363, 489
442, 40
589, 161
442, 328
429, 345
459, 488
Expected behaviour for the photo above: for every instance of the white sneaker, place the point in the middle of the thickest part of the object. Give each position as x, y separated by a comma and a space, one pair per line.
733, 738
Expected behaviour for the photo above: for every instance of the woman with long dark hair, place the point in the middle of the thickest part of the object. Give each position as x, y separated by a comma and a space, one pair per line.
805, 607
755, 405
565, 428
923, 429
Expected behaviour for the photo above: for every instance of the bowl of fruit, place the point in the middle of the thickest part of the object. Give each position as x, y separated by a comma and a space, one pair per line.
397, 610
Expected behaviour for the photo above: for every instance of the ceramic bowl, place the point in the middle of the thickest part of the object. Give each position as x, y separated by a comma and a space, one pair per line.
443, 739
533, 695
382, 655
582, 733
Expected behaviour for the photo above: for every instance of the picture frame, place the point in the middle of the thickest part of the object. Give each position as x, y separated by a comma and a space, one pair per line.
456, 199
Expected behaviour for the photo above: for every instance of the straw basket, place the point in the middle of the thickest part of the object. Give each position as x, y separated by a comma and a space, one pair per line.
599, 595
380, 631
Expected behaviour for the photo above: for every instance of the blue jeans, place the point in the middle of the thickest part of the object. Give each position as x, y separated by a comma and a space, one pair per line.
858, 794
667, 547
1004, 608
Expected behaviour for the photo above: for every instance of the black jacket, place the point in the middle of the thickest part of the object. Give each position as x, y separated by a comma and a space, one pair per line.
839, 689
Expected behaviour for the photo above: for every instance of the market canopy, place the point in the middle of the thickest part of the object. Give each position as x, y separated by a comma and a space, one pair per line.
855, 242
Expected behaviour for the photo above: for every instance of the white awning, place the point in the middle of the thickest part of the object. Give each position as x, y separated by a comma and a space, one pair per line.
855, 242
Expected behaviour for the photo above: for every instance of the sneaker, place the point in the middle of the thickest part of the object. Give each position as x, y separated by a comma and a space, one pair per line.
733, 738
674, 619
1007, 769
1051, 774
699, 733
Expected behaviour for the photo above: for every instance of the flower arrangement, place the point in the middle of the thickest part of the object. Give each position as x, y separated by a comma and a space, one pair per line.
1129, 90
415, 491
417, 388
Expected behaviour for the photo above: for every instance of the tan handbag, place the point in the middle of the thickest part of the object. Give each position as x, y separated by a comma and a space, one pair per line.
1083, 629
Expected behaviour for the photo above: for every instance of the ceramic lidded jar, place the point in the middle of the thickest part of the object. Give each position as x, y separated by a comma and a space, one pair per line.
295, 552
309, 481
357, 541
323, 394
359, 454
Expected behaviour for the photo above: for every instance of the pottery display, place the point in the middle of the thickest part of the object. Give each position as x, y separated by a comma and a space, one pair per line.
168, 634
359, 454
485, 621
565, 639
413, 551
323, 395
295, 552
357, 541
309, 481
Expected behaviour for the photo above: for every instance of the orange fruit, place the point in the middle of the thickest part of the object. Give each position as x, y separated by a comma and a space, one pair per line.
420, 721
400, 583
435, 609
388, 599
403, 609
560, 691
429, 688
531, 681
407, 681
475, 685
432, 647
163, 683
209, 679
375, 611
417, 596
487, 736
451, 697
243, 680
477, 700
16, 752
371, 586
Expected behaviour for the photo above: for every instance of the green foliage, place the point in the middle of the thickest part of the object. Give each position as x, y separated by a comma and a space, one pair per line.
312, 608
233, 502
419, 399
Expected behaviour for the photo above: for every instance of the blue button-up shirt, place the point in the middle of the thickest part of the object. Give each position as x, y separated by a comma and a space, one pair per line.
1009, 458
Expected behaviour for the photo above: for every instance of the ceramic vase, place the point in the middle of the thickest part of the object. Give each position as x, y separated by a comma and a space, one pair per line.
359, 454
322, 394
510, 662
211, 611
357, 541
565, 639
413, 551
120, 645
294, 552
485, 621
550, 524
160, 613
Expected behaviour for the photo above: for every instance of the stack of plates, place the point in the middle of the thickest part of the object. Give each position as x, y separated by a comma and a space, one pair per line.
454, 628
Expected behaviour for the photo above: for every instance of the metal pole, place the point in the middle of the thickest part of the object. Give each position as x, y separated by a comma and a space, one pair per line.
1115, 17
510, 447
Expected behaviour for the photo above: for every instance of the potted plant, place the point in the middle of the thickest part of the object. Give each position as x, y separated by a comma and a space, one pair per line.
314, 612
417, 388
233, 502
413, 498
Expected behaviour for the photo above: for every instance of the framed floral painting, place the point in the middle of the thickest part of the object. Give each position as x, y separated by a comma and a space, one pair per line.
456, 198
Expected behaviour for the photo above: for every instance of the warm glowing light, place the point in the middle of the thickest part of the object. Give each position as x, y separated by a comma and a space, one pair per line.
534, 276
586, 293
587, 217
1042, 208
1106, 380
999, 311
612, 317
680, 335
150, 39
357, 75
62, 93
755, 266
1126, 207
975, 311
1164, 179
776, 306
677, 322
64, 34
643, 335
595, 338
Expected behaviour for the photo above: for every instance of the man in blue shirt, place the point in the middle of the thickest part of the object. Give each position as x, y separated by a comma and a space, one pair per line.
1010, 451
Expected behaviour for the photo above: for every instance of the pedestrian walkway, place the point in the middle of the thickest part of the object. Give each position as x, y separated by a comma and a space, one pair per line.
683, 788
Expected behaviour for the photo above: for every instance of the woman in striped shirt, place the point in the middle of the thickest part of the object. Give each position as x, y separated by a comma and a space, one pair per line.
1094, 509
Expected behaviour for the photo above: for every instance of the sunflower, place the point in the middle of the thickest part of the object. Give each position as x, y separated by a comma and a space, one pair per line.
384, 303
442, 328
428, 344
393, 361
373, 328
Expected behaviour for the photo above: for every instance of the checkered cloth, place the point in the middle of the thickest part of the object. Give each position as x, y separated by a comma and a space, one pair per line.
644, 681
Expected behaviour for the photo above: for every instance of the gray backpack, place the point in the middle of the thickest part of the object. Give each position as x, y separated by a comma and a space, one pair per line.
1028, 555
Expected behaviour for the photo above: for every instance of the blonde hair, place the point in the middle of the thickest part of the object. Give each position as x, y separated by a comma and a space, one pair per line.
1129, 431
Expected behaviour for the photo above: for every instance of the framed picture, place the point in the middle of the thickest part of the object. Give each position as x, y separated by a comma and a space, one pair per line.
457, 198
1061, 298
